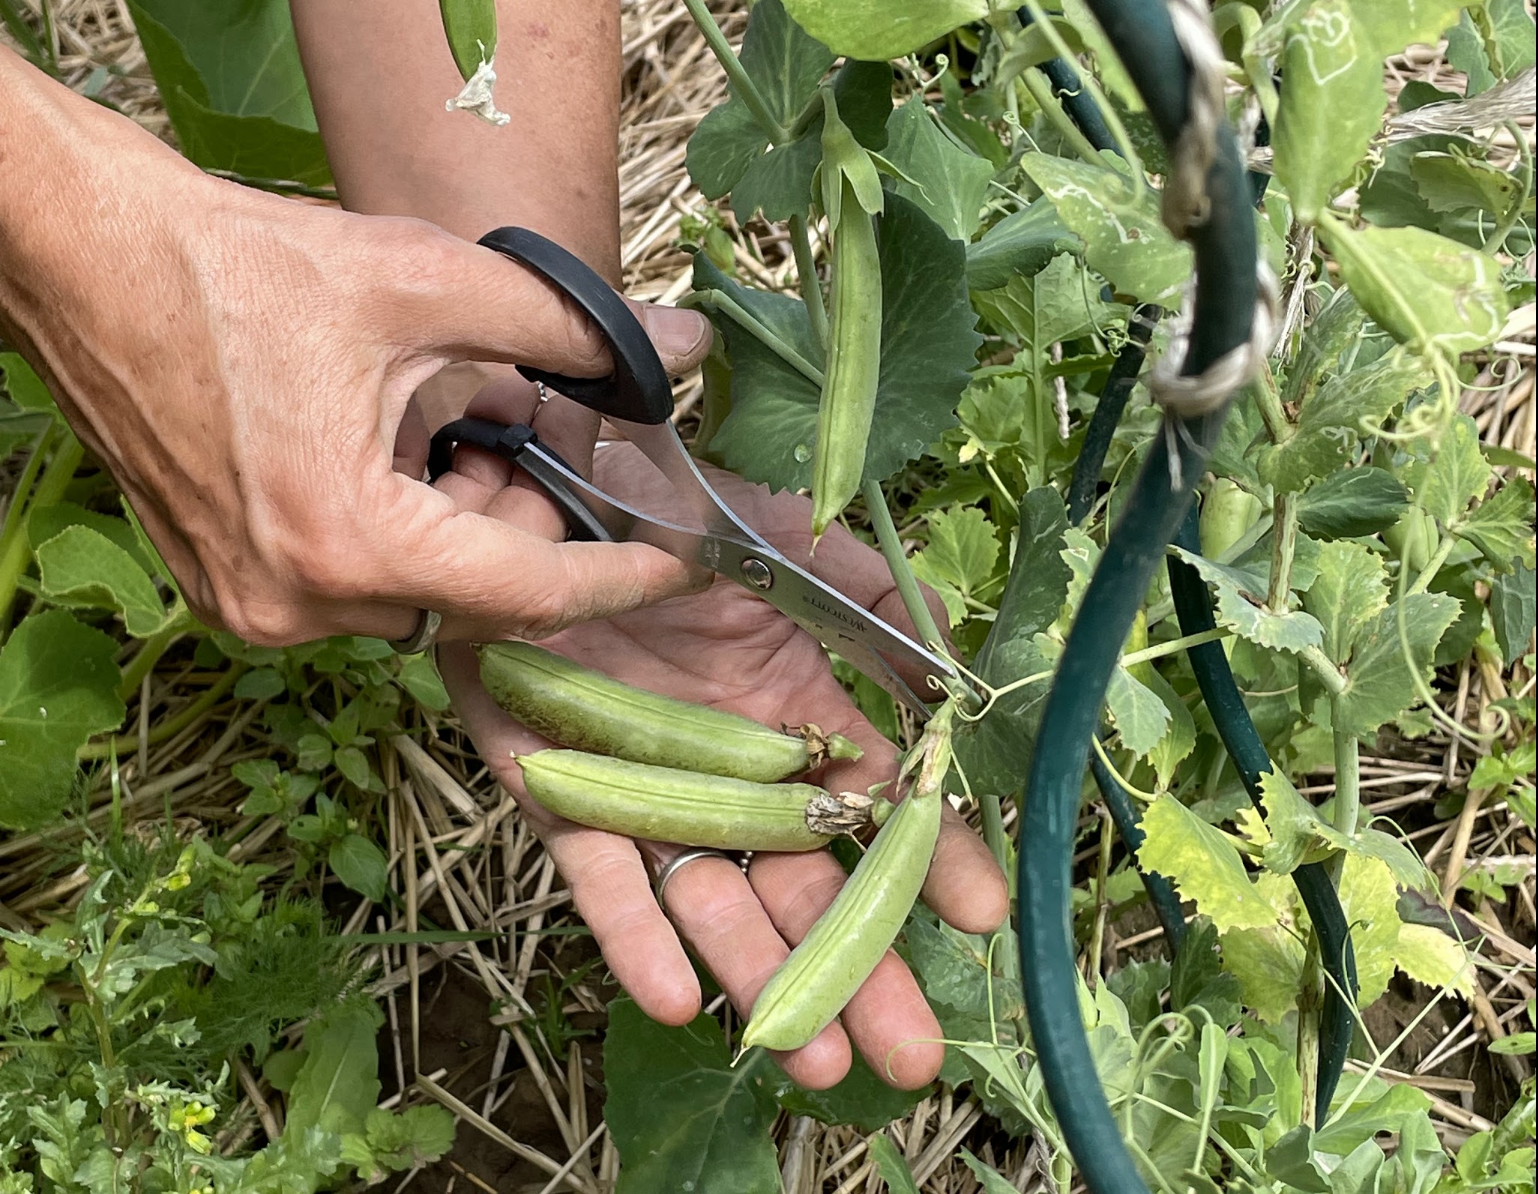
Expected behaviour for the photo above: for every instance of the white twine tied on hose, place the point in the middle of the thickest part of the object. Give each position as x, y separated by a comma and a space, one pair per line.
1186, 206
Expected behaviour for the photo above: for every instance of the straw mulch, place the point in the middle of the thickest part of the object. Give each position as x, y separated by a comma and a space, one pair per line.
462, 1019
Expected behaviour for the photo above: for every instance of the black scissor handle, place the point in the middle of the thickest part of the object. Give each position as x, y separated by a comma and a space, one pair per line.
509, 443
638, 389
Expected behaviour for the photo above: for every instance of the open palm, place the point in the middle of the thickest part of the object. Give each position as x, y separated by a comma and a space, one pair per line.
724, 647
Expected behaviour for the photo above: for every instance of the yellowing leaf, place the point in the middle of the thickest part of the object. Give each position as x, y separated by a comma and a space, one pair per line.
1430, 956
1268, 962
1204, 866
1370, 902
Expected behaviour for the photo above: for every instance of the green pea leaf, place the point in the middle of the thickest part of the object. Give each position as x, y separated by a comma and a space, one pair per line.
993, 1182
1452, 182
1391, 25
1330, 422
1502, 527
785, 65
1378, 678
360, 864
1124, 238
682, 1117
1241, 606
1514, 610
1331, 107
1203, 865
80, 567
230, 77
1268, 962
1453, 475
1022, 243
948, 182
927, 348
1351, 503
1350, 591
58, 686
1425, 290
874, 29
995, 752
959, 560
23, 386
1138, 714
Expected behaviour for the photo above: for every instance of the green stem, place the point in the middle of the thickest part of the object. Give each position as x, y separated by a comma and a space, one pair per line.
993, 829
806, 279
902, 573
171, 726
1329, 675
1310, 988
1284, 545
1174, 646
1434, 564
50, 488
1513, 213
716, 300
742, 84
1268, 402
1040, 88
15, 525
154, 647
1348, 784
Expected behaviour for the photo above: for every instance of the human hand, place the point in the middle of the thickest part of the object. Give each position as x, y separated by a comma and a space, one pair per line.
242, 364
726, 648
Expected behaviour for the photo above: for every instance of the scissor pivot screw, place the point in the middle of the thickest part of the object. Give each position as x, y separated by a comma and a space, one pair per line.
757, 573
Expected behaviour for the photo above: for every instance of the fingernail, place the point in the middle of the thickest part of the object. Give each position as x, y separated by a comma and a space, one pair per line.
675, 331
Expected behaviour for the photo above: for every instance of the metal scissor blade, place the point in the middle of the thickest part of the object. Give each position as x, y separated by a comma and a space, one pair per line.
733, 550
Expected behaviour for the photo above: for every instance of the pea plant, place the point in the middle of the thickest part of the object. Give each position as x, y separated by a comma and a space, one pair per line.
982, 265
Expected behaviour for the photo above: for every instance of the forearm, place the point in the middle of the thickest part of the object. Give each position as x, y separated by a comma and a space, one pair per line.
379, 83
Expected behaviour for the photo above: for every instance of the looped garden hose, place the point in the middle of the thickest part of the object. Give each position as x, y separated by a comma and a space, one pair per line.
1225, 248
1209, 663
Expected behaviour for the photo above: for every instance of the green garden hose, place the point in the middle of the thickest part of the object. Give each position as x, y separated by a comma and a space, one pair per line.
1225, 250
1193, 605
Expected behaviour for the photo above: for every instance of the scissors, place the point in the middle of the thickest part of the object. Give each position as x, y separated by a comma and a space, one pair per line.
638, 400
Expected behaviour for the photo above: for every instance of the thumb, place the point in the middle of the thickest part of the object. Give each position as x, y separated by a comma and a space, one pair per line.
491, 580
477, 304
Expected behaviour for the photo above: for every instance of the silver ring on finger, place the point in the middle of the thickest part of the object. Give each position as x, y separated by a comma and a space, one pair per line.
659, 885
423, 637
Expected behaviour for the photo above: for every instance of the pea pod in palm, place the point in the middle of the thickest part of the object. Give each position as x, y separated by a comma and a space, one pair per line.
822, 974
585, 709
668, 805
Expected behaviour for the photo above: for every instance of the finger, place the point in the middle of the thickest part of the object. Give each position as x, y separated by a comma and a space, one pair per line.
489, 579
464, 301
888, 1020
713, 907
610, 886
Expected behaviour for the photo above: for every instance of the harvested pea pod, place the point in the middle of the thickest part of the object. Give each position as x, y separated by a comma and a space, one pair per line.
587, 710
822, 974
668, 805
